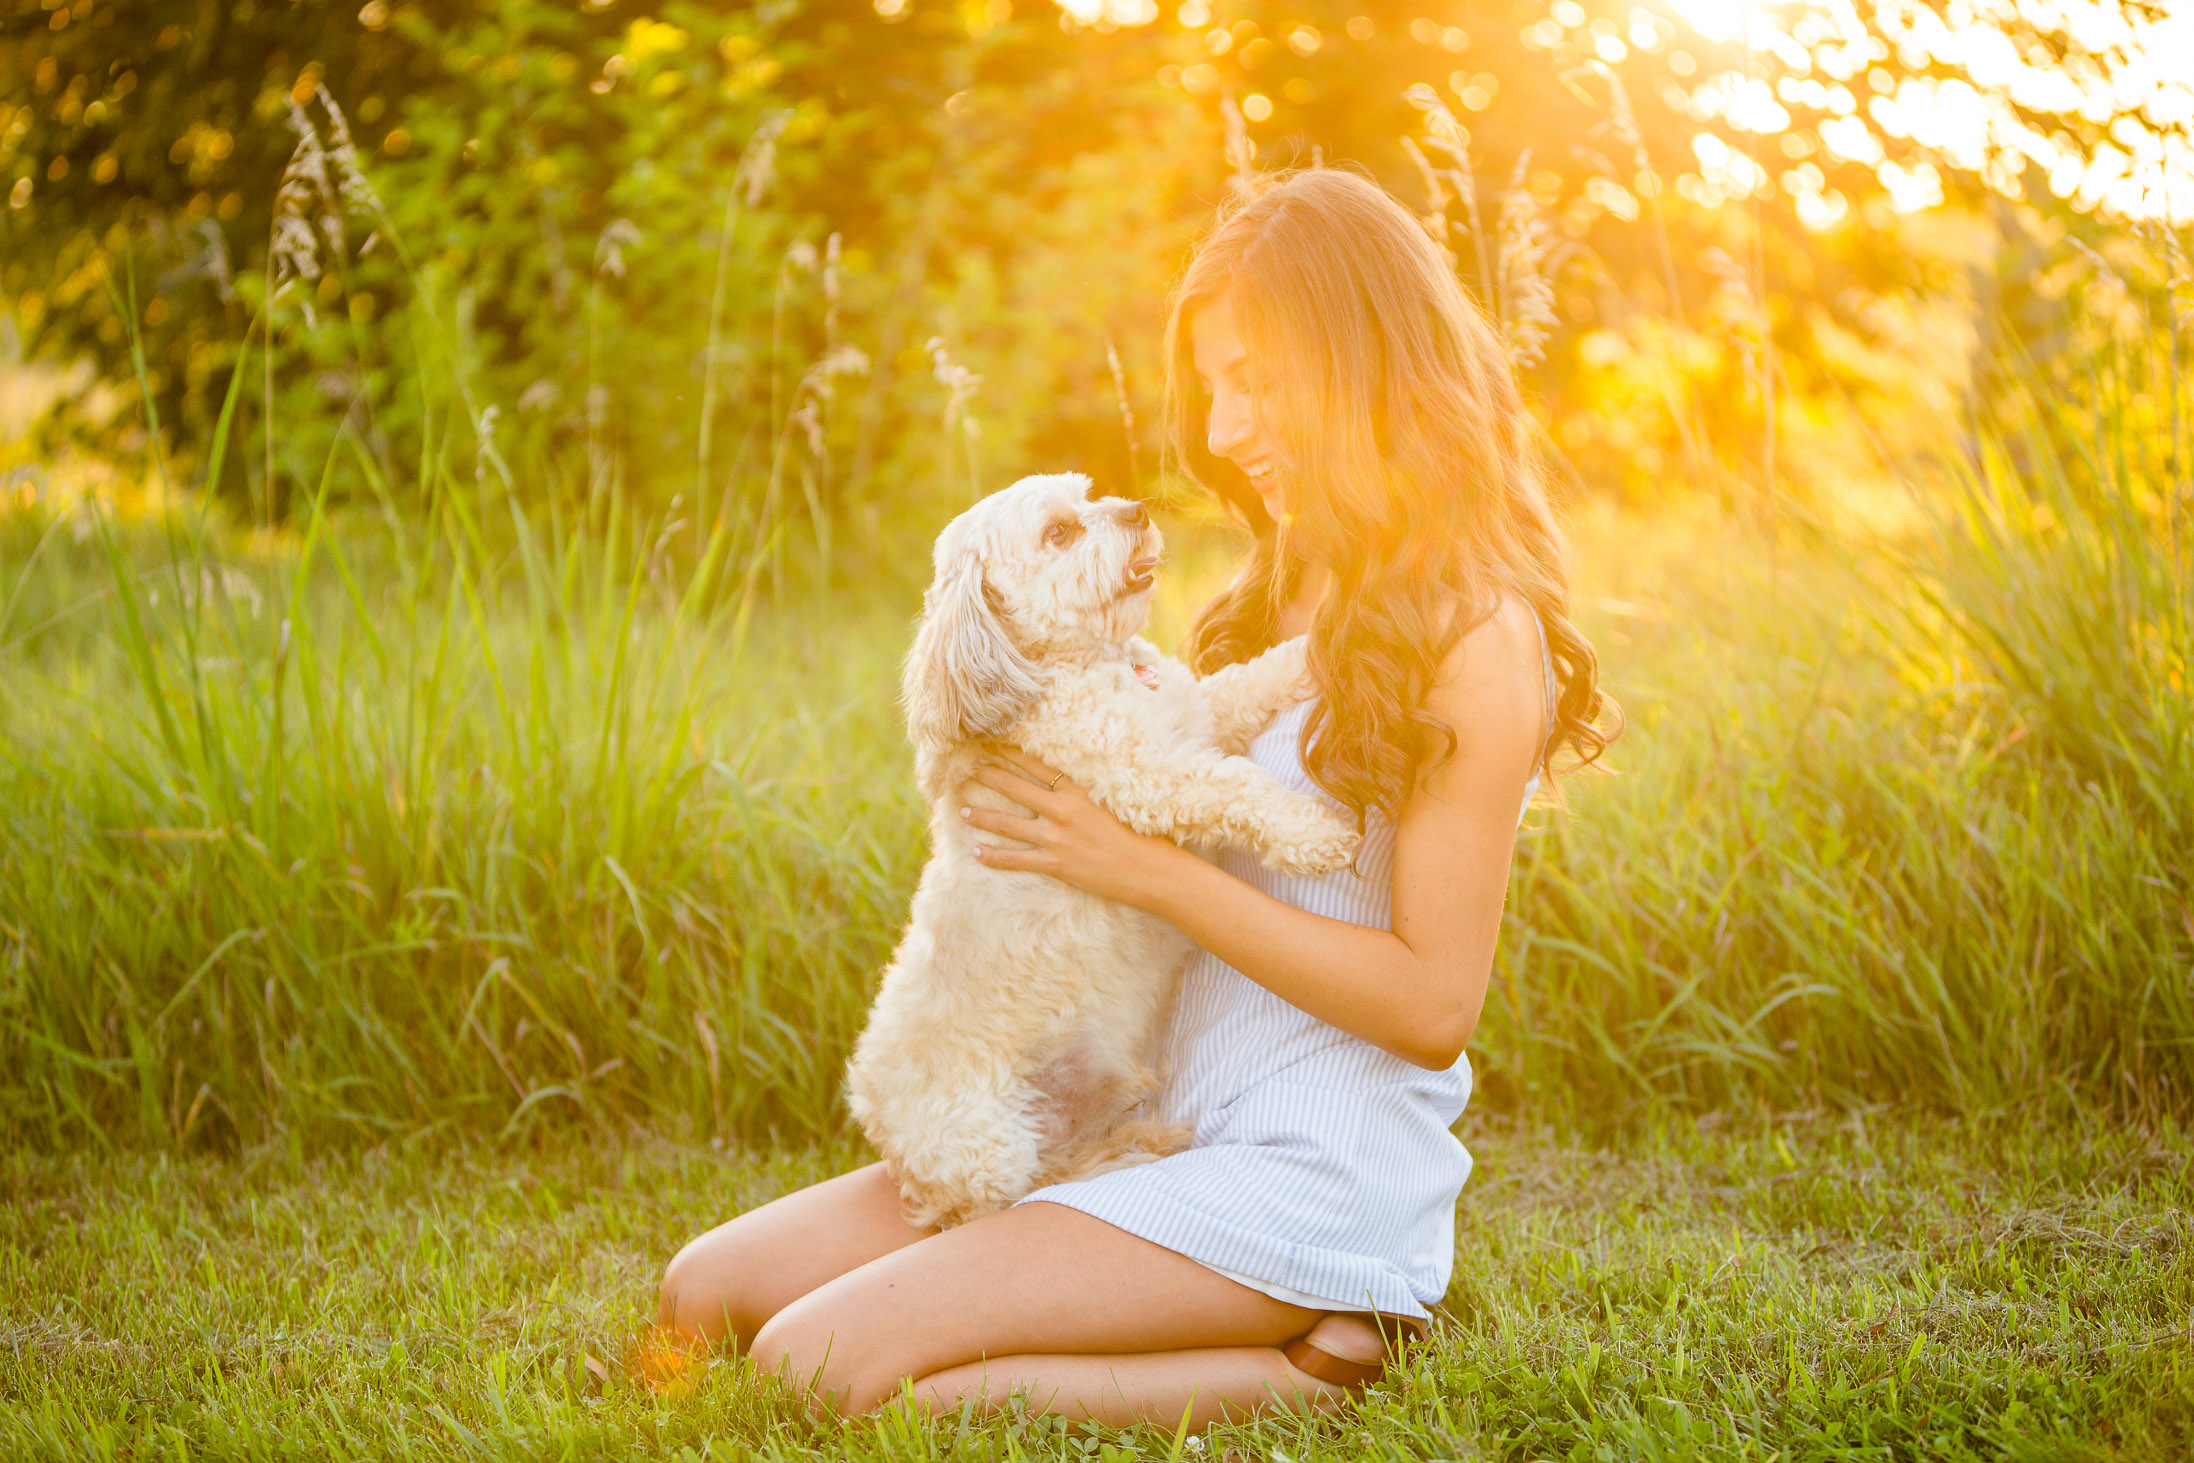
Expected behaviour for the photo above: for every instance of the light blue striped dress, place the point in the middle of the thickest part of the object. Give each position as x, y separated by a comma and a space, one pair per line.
1323, 1170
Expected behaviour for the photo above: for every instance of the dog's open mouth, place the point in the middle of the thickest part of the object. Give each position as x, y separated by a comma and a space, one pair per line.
1140, 576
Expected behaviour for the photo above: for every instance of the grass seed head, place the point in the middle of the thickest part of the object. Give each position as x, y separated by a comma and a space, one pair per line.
758, 164
1241, 153
609, 248
1526, 272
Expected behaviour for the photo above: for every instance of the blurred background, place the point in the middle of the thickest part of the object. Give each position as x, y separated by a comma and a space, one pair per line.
466, 470
632, 227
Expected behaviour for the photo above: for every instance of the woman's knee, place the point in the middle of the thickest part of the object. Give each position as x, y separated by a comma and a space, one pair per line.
827, 1356
709, 1289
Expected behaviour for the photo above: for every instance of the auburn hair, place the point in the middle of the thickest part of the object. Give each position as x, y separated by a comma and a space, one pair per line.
1415, 475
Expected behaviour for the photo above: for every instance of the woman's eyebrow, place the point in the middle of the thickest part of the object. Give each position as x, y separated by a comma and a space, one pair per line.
1225, 367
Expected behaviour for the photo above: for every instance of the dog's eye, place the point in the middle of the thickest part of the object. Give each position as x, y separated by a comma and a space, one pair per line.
1062, 533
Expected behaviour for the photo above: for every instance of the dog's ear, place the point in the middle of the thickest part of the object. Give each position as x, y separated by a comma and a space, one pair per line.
964, 677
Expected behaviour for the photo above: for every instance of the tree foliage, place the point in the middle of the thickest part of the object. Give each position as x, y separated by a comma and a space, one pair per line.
639, 229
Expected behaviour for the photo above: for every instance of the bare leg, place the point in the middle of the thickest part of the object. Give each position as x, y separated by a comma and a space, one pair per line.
1089, 1319
1214, 1384
732, 1279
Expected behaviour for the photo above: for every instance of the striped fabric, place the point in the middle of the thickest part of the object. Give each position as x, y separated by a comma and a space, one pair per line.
1322, 1170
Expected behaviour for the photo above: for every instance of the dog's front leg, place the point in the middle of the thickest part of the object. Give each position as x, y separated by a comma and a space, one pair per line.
1243, 697
1210, 798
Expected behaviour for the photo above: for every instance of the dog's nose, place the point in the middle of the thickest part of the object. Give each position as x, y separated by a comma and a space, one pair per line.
1135, 515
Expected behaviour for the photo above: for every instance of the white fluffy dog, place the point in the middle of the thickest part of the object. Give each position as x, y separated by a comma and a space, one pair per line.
1018, 1017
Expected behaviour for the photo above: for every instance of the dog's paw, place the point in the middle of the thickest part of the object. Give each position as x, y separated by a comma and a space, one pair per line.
1149, 1140
1324, 856
931, 1206
940, 1200
1326, 845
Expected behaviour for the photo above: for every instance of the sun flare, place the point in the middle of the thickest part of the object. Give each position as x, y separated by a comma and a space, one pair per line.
1972, 89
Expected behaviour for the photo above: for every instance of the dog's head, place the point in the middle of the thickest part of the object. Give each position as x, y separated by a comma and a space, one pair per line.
1034, 573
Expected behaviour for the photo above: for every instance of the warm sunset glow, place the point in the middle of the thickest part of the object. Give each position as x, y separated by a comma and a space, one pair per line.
1114, 12
1605, 581
1822, 69
1823, 58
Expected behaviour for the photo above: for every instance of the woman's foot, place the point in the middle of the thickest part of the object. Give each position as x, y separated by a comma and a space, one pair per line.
1347, 1350
1349, 1338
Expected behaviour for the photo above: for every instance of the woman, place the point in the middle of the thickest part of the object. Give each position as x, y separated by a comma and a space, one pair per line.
1330, 382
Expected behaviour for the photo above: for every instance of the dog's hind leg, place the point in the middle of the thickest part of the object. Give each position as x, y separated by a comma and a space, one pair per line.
1138, 1140
973, 1159
1111, 1130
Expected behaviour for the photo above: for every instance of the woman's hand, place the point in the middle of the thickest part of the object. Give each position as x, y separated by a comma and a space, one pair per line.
1069, 836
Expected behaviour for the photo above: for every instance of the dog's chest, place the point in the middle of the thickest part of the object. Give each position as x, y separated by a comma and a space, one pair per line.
1164, 702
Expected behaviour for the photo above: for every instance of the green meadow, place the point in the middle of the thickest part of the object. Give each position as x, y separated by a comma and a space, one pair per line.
467, 474
1786, 1287
391, 993
506, 828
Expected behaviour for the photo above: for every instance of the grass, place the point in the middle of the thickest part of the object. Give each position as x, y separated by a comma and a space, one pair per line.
416, 923
1864, 1287
558, 832
1845, 857
447, 806
466, 843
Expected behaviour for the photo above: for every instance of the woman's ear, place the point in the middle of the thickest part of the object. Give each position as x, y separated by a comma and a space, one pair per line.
964, 676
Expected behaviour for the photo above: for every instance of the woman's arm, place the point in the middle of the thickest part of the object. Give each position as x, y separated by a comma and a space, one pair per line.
1415, 992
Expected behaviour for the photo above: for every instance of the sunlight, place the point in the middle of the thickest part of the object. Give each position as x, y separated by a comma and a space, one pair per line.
1113, 12
1985, 104
1717, 20
503, 584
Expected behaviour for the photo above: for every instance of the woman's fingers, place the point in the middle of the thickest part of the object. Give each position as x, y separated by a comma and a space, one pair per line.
1014, 784
1028, 833
1035, 770
1009, 825
1017, 859
1025, 853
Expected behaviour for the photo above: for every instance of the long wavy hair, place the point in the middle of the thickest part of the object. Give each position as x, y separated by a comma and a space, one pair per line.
1416, 474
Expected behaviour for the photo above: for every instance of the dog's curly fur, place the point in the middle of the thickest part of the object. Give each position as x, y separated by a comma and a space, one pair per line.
1016, 1022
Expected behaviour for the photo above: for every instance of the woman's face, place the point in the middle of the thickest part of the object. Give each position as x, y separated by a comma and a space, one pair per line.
1235, 430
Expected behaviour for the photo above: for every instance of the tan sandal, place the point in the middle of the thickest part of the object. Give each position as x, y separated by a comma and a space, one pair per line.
1354, 1376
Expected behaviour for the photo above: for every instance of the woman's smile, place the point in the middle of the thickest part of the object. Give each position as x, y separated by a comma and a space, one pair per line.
1264, 476
1235, 429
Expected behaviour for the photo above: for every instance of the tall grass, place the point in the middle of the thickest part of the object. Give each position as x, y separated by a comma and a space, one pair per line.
430, 808
1912, 824
428, 831
489, 817
522, 836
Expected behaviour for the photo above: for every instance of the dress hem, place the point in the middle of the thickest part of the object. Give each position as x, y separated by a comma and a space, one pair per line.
1192, 1232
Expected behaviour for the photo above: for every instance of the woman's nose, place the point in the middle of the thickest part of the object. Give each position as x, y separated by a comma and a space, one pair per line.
1229, 426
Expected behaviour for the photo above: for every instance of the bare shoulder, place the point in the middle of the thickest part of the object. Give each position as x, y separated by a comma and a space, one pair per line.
1492, 690
1493, 664
1501, 648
